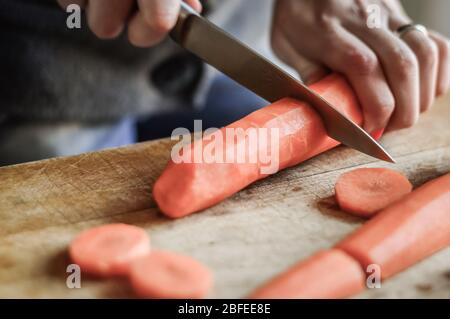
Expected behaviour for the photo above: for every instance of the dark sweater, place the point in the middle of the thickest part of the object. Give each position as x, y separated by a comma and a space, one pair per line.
51, 73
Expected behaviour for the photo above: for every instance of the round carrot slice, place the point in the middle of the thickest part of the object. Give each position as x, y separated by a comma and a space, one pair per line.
165, 275
364, 192
108, 250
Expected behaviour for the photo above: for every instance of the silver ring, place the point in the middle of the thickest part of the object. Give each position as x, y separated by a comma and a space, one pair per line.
403, 30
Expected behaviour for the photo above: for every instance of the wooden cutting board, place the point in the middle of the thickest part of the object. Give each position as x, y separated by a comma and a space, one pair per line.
244, 240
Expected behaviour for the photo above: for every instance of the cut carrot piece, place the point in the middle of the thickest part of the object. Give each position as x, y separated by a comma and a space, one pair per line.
328, 274
365, 191
184, 188
108, 250
164, 275
406, 232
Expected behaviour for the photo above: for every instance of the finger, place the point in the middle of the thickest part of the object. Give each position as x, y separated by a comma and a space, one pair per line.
65, 3
153, 22
443, 44
341, 51
401, 68
107, 18
427, 55
309, 71
139, 33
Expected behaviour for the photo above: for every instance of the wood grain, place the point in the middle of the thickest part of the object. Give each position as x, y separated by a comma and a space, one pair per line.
245, 240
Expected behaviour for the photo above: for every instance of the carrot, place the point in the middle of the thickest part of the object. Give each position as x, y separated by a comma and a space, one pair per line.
328, 274
184, 188
365, 191
378, 134
406, 232
108, 250
165, 275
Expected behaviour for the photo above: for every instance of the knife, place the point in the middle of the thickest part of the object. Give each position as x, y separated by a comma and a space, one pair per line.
242, 64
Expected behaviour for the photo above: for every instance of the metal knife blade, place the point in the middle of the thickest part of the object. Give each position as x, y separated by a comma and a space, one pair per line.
253, 71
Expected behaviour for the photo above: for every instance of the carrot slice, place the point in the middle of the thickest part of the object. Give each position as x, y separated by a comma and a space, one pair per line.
406, 232
184, 188
365, 191
164, 275
328, 274
108, 250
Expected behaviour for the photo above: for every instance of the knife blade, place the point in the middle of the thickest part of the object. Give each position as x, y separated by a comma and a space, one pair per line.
250, 69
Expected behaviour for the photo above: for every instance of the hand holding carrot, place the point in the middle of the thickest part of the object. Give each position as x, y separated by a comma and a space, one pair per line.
147, 26
394, 77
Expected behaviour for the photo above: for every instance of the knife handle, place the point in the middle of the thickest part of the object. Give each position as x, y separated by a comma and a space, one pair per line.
186, 11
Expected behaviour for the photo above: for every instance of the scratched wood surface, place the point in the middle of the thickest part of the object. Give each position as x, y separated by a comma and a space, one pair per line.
244, 240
